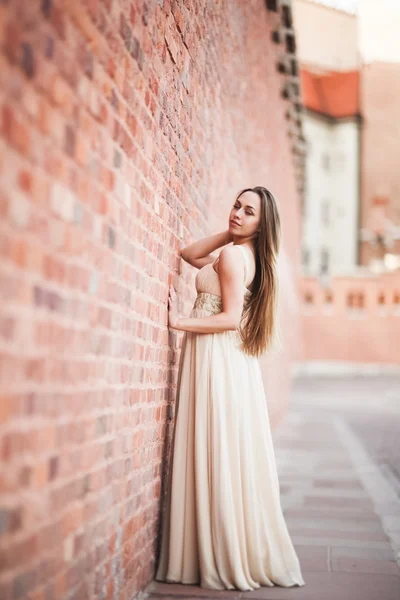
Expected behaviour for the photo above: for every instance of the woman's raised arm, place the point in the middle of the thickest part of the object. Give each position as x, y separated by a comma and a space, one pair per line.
199, 254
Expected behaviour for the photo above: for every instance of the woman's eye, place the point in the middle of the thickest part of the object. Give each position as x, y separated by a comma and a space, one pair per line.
247, 212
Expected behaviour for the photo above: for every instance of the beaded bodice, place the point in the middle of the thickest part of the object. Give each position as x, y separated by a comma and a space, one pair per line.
209, 289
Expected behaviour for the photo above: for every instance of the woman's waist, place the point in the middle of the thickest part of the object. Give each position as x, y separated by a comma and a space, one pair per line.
209, 302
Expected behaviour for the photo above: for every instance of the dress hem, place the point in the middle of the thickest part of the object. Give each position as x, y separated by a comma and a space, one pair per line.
300, 583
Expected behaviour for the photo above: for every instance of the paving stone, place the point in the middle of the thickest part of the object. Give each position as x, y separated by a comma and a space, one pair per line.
298, 474
345, 514
388, 509
331, 465
342, 484
363, 552
296, 523
313, 558
339, 501
364, 565
362, 536
178, 590
334, 586
331, 541
332, 494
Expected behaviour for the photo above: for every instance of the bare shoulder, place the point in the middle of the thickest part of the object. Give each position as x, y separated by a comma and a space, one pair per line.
228, 258
230, 252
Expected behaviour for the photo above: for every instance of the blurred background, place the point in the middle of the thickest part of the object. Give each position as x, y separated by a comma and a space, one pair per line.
350, 73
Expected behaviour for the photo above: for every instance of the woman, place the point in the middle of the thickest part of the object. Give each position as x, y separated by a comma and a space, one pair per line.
223, 526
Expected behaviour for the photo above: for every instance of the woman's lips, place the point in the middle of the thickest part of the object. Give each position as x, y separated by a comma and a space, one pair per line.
234, 223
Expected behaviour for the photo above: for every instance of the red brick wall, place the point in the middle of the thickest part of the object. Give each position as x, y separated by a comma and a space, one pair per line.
126, 128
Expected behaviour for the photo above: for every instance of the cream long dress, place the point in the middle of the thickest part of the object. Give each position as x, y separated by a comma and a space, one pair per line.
223, 525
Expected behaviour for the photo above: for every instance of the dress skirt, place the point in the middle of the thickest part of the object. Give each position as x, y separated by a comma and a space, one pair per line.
223, 525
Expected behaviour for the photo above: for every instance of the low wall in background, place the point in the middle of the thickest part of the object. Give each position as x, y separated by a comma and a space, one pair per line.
355, 319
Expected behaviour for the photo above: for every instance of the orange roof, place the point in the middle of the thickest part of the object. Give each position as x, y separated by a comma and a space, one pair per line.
335, 93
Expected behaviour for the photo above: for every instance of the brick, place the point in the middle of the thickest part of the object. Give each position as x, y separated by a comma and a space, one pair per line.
22, 583
12, 36
82, 151
117, 158
27, 60
25, 181
10, 519
39, 475
53, 468
49, 47
46, 6
19, 211
6, 411
85, 59
31, 102
61, 93
62, 202
15, 131
70, 140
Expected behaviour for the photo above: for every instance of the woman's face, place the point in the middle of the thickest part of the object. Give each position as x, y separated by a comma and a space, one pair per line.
246, 212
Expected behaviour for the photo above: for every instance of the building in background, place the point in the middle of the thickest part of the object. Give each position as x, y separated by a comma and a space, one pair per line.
350, 84
332, 199
350, 76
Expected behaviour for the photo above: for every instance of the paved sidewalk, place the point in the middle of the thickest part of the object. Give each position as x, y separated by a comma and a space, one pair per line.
341, 508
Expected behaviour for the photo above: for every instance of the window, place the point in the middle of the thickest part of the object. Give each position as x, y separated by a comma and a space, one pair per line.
325, 211
326, 161
324, 260
306, 257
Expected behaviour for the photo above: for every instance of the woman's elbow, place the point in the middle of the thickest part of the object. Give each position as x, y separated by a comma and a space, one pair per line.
183, 254
233, 322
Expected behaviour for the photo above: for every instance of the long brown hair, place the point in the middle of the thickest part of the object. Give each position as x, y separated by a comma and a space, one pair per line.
259, 329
